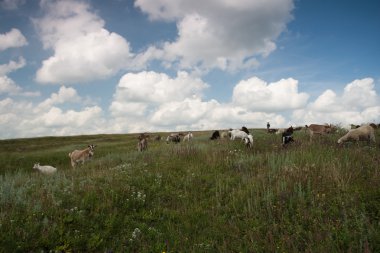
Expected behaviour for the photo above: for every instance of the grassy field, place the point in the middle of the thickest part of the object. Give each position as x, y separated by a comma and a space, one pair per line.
204, 196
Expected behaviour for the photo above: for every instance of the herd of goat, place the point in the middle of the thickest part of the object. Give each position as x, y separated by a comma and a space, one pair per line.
356, 134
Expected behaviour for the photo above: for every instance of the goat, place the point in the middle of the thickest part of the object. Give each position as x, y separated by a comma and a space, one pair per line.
319, 129
46, 169
224, 135
143, 143
248, 141
287, 136
78, 156
188, 136
174, 137
363, 133
280, 130
215, 135
236, 133
244, 129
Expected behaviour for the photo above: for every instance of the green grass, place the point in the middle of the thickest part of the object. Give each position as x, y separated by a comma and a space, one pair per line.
206, 196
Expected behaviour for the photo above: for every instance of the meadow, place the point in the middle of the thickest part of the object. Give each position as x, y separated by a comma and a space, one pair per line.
203, 196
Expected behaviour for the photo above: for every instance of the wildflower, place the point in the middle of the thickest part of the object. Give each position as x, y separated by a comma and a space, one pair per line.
136, 233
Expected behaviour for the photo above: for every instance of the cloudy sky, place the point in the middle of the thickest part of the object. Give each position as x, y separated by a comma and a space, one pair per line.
120, 66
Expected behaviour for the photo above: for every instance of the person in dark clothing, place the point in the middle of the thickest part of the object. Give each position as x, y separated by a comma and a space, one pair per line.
268, 126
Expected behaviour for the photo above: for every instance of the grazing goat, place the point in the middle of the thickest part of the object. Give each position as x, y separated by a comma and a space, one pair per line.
319, 129
157, 138
363, 133
78, 156
224, 135
244, 129
173, 137
46, 169
248, 141
354, 126
143, 143
236, 133
280, 130
215, 135
188, 136
287, 136
272, 130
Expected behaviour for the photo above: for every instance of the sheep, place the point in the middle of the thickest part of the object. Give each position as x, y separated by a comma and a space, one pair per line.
188, 136
142, 143
78, 156
46, 169
236, 133
248, 141
363, 133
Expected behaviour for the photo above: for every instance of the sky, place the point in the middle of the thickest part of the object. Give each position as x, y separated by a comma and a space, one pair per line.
75, 67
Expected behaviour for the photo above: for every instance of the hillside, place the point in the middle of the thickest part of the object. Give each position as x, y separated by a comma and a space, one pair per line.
202, 196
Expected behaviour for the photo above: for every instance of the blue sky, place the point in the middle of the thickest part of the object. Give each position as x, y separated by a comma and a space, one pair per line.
120, 66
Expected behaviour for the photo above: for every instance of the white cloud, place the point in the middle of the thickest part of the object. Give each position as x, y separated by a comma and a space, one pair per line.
138, 106
7, 85
260, 96
12, 66
21, 119
11, 39
219, 34
150, 101
83, 49
64, 95
158, 87
358, 104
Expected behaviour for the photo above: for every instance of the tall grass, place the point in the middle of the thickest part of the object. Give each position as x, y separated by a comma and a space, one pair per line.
203, 196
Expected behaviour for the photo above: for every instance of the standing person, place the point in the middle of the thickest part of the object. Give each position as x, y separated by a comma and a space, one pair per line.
268, 126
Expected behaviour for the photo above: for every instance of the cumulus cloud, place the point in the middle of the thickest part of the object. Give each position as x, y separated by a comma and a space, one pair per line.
158, 87
20, 118
12, 66
359, 103
12, 39
7, 85
83, 49
258, 95
64, 95
150, 101
228, 35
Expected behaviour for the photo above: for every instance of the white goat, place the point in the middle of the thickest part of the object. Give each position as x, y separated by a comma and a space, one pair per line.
46, 169
363, 133
248, 141
188, 137
236, 133
281, 131
78, 156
